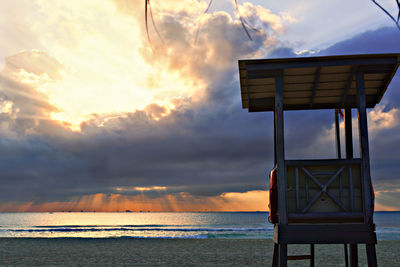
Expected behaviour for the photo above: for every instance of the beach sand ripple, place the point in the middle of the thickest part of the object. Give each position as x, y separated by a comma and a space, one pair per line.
171, 252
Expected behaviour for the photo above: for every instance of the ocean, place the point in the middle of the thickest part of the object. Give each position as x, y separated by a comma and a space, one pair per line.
193, 225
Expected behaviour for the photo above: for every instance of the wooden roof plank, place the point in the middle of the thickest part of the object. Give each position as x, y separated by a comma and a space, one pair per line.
335, 69
299, 71
261, 88
265, 81
333, 87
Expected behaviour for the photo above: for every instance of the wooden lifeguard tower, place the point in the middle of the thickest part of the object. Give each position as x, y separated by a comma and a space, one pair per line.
321, 201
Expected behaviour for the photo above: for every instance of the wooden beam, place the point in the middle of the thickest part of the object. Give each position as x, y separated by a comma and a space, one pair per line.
247, 91
307, 192
337, 135
280, 150
316, 81
282, 255
298, 257
313, 200
314, 62
351, 194
348, 84
371, 255
334, 227
364, 147
275, 257
296, 174
312, 254
322, 162
267, 103
325, 215
336, 201
346, 256
334, 233
353, 255
348, 133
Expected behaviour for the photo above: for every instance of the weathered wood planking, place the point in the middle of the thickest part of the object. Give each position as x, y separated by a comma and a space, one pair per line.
298, 87
336, 69
299, 79
299, 71
264, 81
334, 77
376, 76
327, 94
254, 87
326, 91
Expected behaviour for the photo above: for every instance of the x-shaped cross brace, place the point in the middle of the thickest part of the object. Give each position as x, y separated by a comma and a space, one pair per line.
324, 189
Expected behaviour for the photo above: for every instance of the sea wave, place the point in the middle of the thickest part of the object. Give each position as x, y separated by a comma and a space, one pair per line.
96, 226
166, 237
135, 229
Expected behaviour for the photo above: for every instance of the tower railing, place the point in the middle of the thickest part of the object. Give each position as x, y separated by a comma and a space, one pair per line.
324, 190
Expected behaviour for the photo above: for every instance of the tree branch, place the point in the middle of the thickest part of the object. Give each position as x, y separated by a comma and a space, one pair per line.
387, 13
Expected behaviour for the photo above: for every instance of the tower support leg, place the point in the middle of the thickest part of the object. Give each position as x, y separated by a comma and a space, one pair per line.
312, 255
371, 255
275, 257
282, 255
353, 255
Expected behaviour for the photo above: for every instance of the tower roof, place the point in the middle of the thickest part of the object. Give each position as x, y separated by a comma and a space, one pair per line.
315, 82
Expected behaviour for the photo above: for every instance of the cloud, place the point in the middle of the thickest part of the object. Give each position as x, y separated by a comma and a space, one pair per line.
383, 121
193, 145
372, 41
199, 145
249, 201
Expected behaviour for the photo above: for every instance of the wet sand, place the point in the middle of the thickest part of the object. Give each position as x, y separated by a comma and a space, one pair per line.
171, 252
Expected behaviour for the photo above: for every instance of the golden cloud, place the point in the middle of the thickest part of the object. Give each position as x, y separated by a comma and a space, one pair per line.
247, 201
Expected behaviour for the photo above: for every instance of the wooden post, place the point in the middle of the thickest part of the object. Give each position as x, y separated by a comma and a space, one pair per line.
282, 255
337, 133
296, 175
280, 150
280, 160
371, 255
348, 132
365, 164
364, 147
312, 254
275, 257
353, 255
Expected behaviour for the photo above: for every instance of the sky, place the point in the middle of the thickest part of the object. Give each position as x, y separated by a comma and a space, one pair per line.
95, 117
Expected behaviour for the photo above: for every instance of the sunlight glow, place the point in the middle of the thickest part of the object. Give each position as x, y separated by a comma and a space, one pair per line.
230, 201
142, 189
102, 68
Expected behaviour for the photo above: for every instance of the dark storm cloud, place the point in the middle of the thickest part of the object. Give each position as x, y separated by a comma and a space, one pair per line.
195, 152
384, 141
202, 149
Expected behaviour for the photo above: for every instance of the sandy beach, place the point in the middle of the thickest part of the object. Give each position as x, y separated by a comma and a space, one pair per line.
172, 252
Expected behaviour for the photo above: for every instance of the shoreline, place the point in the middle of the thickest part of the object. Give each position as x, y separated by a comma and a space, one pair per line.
173, 252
